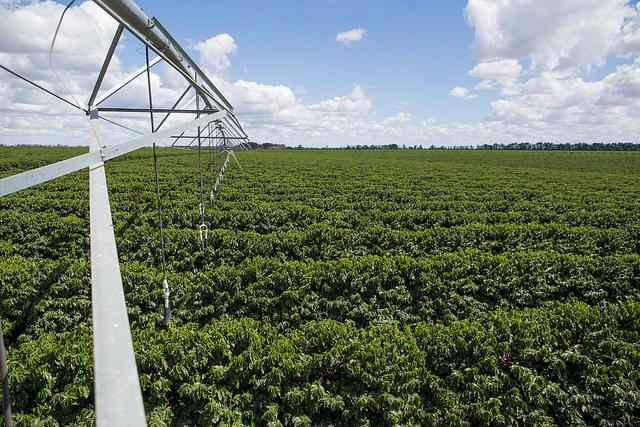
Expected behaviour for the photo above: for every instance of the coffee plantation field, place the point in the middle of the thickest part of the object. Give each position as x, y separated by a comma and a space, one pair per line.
339, 287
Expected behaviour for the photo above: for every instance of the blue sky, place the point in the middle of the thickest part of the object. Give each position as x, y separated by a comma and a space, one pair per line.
346, 72
413, 51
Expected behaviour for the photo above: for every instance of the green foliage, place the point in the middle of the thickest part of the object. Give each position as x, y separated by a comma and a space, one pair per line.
340, 288
568, 364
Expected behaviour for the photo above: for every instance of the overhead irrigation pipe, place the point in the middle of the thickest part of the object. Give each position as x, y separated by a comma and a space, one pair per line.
150, 32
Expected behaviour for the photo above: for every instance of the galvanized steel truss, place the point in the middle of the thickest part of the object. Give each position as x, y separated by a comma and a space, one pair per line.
118, 400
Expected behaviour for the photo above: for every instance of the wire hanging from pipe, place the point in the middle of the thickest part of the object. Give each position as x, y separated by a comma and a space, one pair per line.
203, 230
165, 282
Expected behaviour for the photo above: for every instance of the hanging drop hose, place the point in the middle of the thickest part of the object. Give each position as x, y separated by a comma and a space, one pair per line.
211, 194
4, 370
214, 167
165, 283
233, 154
202, 229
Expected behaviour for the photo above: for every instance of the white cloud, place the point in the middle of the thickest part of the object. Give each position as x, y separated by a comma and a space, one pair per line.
629, 43
26, 30
539, 71
32, 116
502, 74
351, 36
256, 98
561, 40
215, 51
553, 100
355, 103
461, 93
401, 117
553, 34
505, 70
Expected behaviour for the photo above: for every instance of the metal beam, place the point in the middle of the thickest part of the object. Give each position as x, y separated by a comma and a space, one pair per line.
173, 107
146, 110
176, 140
131, 77
195, 136
194, 66
105, 64
149, 32
118, 399
37, 176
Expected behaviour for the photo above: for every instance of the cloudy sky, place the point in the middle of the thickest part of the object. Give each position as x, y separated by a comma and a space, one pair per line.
338, 72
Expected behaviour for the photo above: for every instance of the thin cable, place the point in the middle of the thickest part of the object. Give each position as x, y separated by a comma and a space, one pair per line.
53, 43
165, 283
203, 229
41, 88
211, 194
120, 125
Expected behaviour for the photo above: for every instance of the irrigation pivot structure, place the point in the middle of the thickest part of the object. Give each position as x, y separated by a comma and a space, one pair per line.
118, 399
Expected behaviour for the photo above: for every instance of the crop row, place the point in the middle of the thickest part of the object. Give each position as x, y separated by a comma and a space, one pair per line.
568, 365
53, 296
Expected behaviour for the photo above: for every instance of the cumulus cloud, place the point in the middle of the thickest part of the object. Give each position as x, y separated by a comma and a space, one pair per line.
550, 99
553, 34
503, 71
561, 41
355, 103
256, 98
26, 29
401, 117
501, 74
351, 36
269, 112
538, 64
629, 42
215, 51
461, 93
32, 116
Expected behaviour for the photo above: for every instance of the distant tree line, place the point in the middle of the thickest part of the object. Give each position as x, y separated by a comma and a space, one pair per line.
268, 146
548, 146
579, 146
538, 146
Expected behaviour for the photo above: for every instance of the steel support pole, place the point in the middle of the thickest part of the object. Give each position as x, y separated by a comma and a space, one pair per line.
105, 64
118, 399
146, 50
